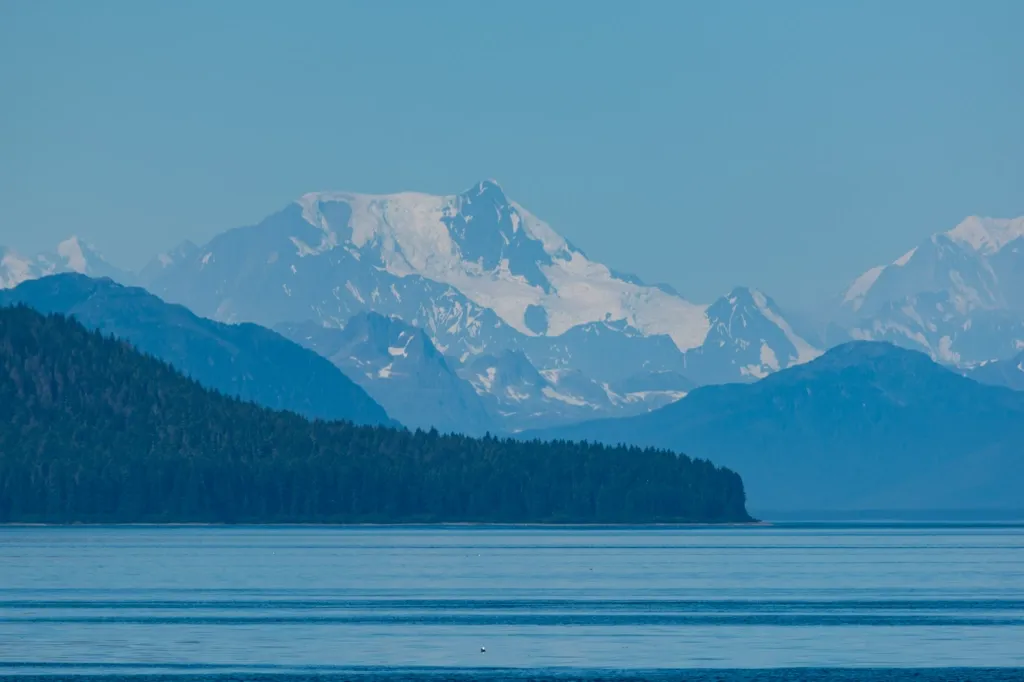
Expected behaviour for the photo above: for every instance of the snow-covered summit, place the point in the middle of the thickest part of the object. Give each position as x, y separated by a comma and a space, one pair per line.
749, 339
71, 255
966, 260
987, 235
497, 254
79, 256
958, 295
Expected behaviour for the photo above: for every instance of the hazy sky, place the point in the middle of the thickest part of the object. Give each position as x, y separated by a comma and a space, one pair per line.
784, 145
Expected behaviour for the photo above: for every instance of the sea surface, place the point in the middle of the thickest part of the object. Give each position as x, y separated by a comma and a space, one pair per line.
925, 602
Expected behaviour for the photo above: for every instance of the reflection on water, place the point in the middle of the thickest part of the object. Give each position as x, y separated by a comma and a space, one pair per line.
320, 599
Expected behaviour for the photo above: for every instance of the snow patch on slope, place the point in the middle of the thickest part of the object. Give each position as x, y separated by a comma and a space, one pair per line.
401, 351
768, 357
805, 352
562, 397
554, 244
860, 287
905, 258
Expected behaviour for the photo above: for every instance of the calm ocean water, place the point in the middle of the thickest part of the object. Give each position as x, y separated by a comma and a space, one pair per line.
405, 603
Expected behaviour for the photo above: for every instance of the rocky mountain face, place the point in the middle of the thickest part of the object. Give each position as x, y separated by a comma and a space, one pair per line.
523, 397
502, 393
401, 369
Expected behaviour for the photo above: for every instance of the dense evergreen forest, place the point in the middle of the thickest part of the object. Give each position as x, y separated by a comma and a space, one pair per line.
91, 430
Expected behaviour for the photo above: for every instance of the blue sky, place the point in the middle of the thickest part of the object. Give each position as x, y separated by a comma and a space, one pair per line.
784, 145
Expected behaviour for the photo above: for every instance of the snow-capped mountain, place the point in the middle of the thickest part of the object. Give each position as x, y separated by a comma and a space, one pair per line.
476, 271
939, 325
15, 269
401, 369
959, 296
499, 256
977, 262
71, 255
749, 339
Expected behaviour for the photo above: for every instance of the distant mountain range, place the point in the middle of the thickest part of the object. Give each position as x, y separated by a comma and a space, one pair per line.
476, 271
398, 365
71, 255
866, 426
523, 396
467, 314
246, 361
524, 330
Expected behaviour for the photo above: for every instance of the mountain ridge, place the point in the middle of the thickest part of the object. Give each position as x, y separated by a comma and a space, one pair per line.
246, 361
867, 425
481, 274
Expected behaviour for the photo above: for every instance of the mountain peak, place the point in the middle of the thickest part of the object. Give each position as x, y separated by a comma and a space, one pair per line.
14, 269
749, 339
73, 251
488, 184
82, 257
741, 296
488, 189
748, 297
987, 235
868, 353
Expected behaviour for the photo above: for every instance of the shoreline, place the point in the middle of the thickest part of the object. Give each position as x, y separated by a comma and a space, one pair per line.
229, 673
456, 525
451, 524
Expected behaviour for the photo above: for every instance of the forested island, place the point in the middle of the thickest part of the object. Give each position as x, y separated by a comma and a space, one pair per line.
93, 431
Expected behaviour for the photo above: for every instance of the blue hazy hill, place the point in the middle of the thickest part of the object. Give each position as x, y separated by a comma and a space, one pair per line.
245, 360
867, 426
